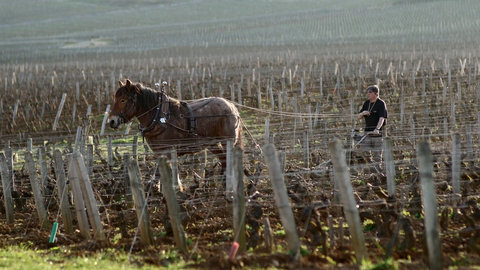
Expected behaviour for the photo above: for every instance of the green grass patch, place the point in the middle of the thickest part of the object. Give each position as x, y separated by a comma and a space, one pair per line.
279, 233
23, 257
124, 140
389, 263
368, 225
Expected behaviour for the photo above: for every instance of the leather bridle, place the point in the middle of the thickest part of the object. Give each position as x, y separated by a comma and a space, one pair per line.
128, 109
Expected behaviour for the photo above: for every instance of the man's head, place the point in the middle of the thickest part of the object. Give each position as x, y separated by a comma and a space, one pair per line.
373, 92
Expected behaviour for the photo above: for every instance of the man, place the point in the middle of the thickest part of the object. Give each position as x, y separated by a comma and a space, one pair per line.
374, 111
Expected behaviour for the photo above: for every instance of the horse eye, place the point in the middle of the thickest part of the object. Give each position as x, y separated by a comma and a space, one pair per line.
123, 101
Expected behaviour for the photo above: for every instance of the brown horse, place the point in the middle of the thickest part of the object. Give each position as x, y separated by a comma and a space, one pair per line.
165, 122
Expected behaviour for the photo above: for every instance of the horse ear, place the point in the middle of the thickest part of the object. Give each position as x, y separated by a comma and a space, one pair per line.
120, 83
128, 86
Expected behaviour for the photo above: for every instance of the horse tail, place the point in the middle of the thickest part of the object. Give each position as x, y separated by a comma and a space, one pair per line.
239, 132
238, 135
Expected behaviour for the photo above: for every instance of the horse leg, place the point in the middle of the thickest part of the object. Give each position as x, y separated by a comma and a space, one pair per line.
220, 151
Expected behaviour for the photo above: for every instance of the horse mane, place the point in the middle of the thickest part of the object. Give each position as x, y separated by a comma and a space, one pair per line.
148, 96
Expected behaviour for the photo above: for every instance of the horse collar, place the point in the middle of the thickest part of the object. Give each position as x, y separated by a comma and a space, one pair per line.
157, 117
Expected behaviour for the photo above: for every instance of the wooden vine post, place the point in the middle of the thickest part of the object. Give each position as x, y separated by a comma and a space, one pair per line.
342, 178
128, 188
104, 122
43, 169
59, 111
9, 160
281, 200
306, 150
135, 148
432, 232
268, 234
389, 167
238, 199
229, 171
7, 189
456, 159
89, 197
79, 203
37, 192
110, 152
89, 159
62, 192
172, 205
177, 184
146, 236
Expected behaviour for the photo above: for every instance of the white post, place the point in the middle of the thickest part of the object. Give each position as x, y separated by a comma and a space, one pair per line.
389, 167
434, 247
105, 117
342, 178
281, 199
59, 112
456, 159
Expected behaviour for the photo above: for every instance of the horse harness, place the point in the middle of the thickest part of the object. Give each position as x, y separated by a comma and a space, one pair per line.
161, 117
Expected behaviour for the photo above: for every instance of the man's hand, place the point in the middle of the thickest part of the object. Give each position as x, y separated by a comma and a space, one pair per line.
364, 113
375, 132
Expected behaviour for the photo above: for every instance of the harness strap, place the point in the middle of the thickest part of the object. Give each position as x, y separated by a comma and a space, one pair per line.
155, 118
192, 123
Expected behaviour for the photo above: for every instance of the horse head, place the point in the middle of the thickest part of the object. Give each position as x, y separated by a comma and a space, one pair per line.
124, 104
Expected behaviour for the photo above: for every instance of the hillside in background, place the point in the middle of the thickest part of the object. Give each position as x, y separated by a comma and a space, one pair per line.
58, 28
